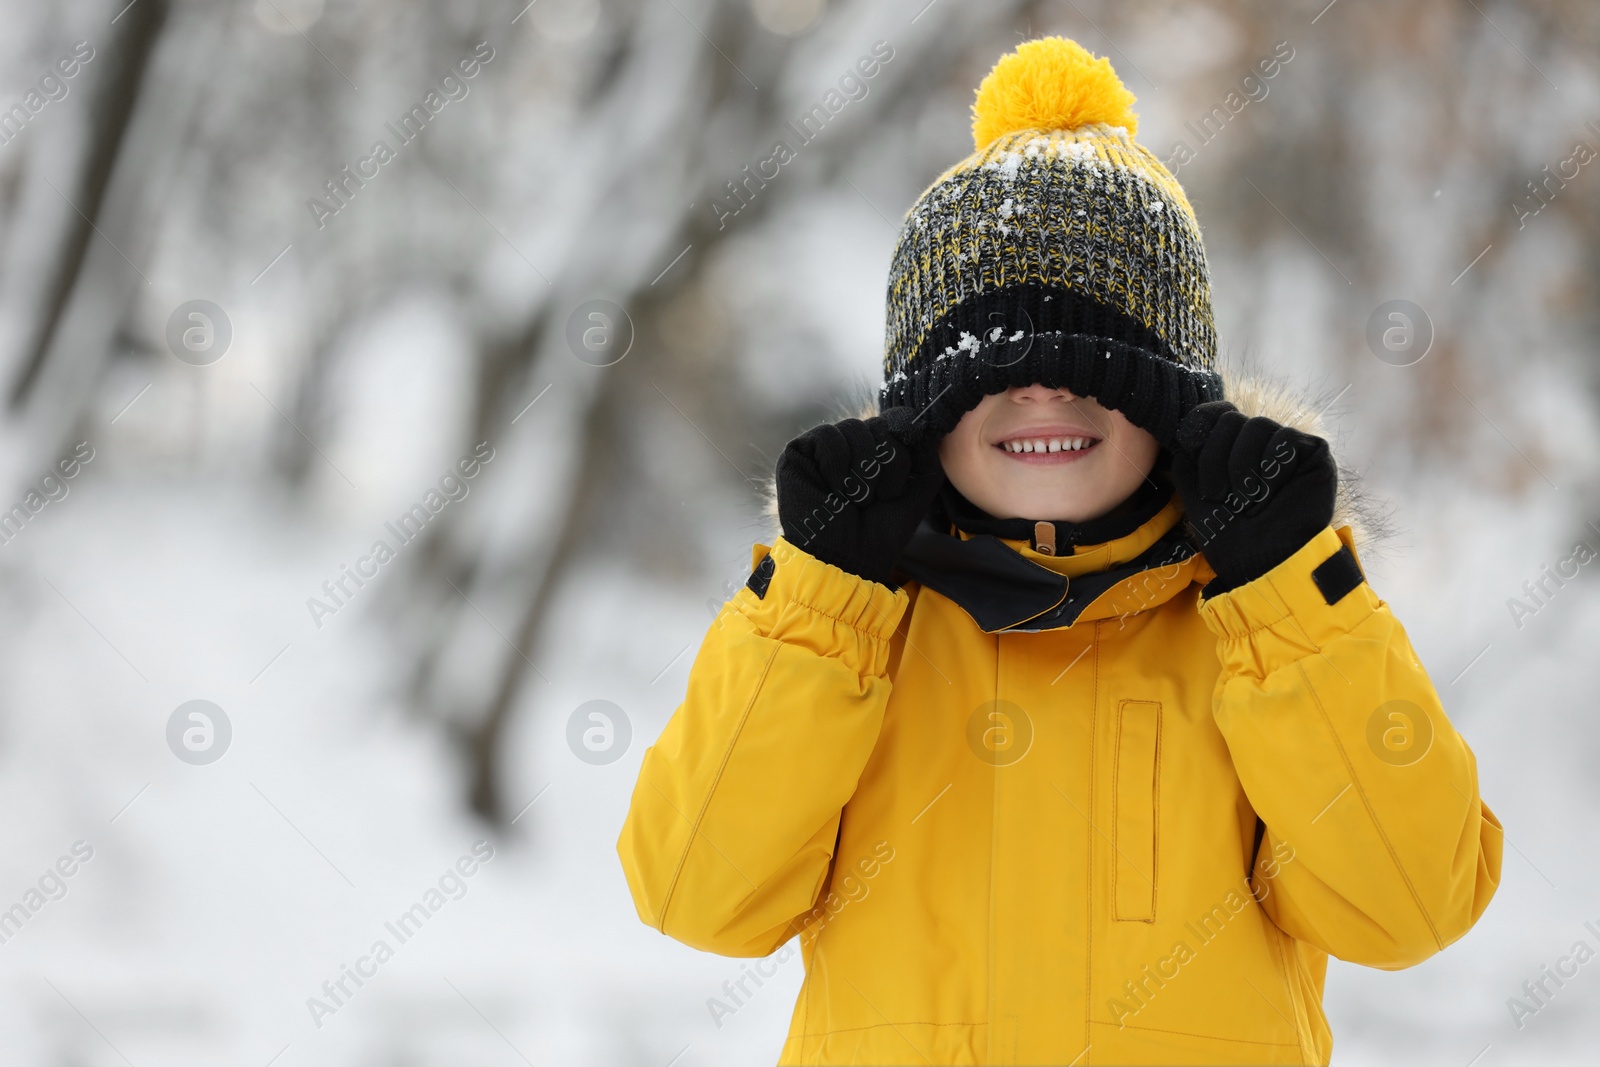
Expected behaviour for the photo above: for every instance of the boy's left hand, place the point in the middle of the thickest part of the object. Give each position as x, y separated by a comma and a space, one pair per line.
1254, 491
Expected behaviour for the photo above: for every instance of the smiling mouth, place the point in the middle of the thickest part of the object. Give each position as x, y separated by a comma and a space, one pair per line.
1046, 445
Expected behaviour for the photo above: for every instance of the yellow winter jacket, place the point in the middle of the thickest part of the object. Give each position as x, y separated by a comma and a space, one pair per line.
1132, 838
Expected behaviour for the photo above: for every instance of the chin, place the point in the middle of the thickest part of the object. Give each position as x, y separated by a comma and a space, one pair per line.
1071, 514
1071, 507
1051, 506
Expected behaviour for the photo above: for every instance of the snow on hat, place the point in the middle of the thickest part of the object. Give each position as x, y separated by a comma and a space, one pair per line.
1060, 252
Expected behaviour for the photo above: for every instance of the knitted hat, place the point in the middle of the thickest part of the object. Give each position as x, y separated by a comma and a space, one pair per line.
1061, 252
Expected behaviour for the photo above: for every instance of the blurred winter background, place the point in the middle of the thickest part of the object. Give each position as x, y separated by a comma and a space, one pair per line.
547, 281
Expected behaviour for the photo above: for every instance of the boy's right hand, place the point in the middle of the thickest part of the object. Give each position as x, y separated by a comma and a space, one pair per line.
851, 493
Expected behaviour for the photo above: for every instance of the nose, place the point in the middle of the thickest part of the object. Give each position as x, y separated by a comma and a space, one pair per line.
1036, 393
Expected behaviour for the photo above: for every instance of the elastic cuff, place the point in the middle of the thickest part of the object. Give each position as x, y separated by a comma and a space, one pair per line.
1303, 603
794, 576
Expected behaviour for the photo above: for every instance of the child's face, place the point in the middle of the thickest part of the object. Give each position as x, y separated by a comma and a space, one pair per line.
1072, 485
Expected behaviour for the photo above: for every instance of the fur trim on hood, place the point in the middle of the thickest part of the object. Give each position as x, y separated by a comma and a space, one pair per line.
1253, 393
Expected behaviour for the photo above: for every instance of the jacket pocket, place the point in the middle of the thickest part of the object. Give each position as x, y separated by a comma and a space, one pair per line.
1136, 794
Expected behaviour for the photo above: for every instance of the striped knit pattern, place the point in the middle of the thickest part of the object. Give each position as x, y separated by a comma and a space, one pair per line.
1071, 258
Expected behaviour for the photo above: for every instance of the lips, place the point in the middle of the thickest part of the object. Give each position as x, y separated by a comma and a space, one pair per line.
1047, 439
1048, 444
1056, 443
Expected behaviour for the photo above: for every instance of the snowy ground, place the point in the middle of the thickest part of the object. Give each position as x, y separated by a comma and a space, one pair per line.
219, 898
222, 897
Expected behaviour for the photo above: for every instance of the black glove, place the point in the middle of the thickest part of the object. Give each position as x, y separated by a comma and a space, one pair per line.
851, 493
1254, 491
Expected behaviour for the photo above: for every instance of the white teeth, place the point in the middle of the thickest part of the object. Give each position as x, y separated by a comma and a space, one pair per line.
1048, 444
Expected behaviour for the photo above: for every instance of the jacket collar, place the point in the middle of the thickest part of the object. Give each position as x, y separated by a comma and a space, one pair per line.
1118, 564
951, 508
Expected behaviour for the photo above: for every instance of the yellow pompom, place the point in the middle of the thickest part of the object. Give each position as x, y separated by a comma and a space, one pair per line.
1050, 84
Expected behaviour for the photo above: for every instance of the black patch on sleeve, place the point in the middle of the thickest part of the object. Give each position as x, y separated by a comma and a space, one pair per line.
1337, 575
761, 577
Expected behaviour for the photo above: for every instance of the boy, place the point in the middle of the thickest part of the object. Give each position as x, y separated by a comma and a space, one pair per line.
1103, 787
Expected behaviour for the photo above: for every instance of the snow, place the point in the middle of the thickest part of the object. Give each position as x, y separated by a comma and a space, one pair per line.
221, 897
1522, 708
217, 903
1006, 166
